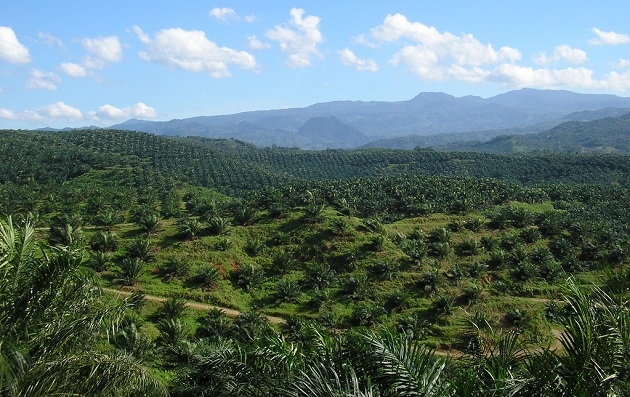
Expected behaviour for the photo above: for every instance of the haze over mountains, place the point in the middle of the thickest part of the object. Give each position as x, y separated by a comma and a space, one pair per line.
429, 119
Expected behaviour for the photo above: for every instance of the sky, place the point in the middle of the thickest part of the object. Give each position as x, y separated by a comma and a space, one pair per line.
73, 63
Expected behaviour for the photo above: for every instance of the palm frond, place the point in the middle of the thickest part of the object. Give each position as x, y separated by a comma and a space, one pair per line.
402, 367
91, 374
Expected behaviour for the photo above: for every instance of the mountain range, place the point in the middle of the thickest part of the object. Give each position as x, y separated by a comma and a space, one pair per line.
429, 119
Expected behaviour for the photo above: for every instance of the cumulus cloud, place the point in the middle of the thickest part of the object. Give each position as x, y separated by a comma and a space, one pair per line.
111, 113
435, 49
256, 44
107, 49
222, 14
348, 58
73, 69
562, 53
435, 55
443, 56
55, 111
39, 80
299, 39
101, 52
609, 38
192, 51
11, 50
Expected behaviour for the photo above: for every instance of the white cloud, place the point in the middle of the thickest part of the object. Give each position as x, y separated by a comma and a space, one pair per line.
444, 48
443, 56
50, 40
621, 64
39, 80
73, 69
11, 50
226, 14
111, 113
192, 51
300, 40
250, 18
256, 44
609, 38
421, 61
107, 49
364, 41
61, 111
93, 63
223, 14
561, 53
7, 114
521, 76
57, 110
348, 58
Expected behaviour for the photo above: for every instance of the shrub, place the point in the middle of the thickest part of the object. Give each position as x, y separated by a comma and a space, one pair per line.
469, 247
368, 313
172, 308
129, 270
207, 276
100, 261
320, 275
385, 270
175, 267
218, 226
249, 277
287, 291
253, 247
104, 241
140, 248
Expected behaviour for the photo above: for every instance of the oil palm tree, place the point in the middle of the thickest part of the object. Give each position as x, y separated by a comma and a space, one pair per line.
53, 319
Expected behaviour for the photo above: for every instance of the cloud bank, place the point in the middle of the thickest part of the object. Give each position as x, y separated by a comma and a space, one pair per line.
61, 111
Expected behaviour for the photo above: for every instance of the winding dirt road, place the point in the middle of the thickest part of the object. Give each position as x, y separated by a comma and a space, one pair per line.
192, 305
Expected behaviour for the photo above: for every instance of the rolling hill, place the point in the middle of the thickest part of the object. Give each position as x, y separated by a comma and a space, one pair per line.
607, 135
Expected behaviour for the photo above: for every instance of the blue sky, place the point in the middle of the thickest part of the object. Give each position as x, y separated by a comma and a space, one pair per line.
76, 63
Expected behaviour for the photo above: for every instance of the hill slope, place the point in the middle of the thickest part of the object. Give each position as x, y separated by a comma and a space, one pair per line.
611, 134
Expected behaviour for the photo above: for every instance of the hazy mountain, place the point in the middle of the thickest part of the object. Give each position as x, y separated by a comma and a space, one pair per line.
330, 132
466, 139
426, 114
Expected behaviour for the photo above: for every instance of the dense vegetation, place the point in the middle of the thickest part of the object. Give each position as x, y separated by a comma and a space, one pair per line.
381, 272
606, 135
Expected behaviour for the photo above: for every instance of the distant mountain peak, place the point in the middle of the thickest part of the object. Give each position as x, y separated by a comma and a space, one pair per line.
428, 113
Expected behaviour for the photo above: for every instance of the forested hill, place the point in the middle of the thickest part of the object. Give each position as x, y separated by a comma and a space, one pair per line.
235, 167
607, 135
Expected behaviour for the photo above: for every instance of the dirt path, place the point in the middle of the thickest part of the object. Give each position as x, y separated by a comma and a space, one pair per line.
193, 305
